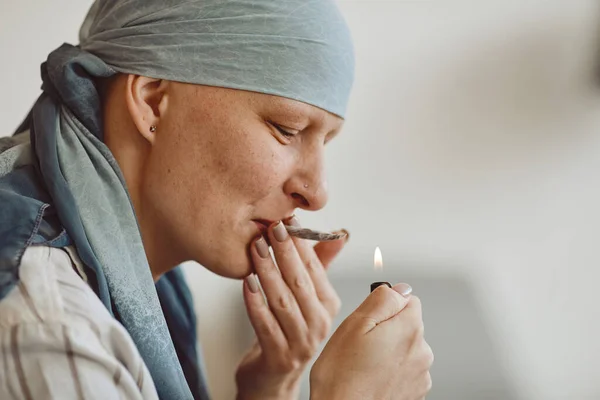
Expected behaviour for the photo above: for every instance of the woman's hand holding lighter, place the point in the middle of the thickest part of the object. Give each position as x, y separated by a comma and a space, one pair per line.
378, 352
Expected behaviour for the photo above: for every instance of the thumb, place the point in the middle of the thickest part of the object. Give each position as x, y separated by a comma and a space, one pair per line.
327, 251
383, 304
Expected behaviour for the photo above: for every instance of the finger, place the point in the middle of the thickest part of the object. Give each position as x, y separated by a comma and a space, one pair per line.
267, 329
403, 288
318, 275
414, 309
298, 279
382, 305
410, 320
279, 297
327, 251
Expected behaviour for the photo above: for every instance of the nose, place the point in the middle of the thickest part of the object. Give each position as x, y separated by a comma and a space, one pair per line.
308, 186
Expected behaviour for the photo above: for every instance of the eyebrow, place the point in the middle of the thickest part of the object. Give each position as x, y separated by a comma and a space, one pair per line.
286, 104
295, 114
301, 113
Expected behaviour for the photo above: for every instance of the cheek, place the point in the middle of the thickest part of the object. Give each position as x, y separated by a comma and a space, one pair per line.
258, 173
228, 154
223, 168
253, 165
177, 180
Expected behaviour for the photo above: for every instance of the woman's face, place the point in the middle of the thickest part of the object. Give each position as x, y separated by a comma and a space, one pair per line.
224, 162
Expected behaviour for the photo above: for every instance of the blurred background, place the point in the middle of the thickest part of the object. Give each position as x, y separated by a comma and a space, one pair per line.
471, 156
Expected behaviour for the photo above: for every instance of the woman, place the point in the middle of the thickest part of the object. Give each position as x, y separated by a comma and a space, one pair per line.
186, 131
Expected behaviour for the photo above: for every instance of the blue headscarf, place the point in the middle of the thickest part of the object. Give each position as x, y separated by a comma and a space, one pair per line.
293, 48
299, 49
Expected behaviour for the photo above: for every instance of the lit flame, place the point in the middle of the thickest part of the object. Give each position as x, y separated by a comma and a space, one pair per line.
378, 262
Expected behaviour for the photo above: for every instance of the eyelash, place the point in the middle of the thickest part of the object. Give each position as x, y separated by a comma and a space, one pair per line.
283, 131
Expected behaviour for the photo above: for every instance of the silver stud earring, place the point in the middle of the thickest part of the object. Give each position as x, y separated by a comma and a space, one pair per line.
152, 128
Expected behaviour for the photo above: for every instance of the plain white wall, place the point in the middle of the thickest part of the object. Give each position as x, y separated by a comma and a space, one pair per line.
472, 149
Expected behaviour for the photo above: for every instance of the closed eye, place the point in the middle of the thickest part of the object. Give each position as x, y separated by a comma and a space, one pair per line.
283, 131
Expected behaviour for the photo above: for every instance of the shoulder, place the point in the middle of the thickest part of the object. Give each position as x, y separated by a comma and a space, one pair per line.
50, 290
58, 340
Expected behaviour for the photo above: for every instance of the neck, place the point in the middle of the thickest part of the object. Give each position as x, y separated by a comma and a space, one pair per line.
160, 252
131, 153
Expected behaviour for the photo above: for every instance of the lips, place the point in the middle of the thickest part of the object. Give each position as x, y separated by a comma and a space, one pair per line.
263, 224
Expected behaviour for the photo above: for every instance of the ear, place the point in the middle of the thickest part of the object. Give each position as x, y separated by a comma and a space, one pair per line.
146, 100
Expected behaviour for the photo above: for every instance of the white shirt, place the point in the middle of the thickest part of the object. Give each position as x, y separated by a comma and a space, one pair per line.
58, 341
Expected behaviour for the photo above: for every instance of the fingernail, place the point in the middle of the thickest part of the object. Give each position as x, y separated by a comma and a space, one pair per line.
347, 237
293, 221
280, 232
252, 283
403, 288
262, 248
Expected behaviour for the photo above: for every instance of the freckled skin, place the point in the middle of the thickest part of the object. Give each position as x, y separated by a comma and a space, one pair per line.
214, 163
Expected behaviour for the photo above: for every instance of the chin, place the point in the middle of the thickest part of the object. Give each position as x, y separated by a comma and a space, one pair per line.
229, 257
237, 265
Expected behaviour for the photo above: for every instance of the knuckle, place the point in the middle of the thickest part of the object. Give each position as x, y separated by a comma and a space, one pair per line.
284, 301
425, 361
333, 304
321, 326
301, 282
423, 356
428, 384
295, 364
429, 356
265, 329
336, 304
313, 264
305, 354
387, 296
287, 364
309, 349
325, 329
314, 345
382, 293
415, 301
